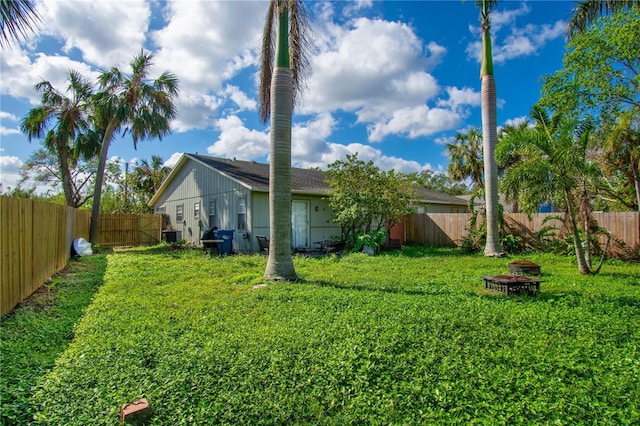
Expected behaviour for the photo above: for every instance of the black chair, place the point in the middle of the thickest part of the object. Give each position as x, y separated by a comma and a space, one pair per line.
208, 244
263, 242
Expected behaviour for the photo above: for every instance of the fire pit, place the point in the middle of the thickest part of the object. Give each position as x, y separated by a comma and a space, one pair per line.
524, 267
512, 284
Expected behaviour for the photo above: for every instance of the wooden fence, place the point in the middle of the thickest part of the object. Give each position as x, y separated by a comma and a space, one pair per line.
448, 229
36, 238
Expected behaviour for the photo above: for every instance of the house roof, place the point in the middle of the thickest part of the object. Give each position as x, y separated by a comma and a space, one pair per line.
255, 176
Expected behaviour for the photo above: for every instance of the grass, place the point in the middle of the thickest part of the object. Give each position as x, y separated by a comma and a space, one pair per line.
407, 337
39, 330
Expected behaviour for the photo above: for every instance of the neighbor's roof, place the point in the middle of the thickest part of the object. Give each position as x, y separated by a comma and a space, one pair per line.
255, 177
434, 197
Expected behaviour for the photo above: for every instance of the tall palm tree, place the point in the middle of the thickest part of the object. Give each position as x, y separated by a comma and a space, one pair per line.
489, 131
465, 158
70, 134
286, 31
131, 104
587, 11
19, 17
557, 170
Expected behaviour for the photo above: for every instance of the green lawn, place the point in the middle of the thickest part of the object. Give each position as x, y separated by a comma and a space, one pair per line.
403, 338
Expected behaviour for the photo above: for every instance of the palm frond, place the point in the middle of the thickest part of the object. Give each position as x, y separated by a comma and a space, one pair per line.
19, 18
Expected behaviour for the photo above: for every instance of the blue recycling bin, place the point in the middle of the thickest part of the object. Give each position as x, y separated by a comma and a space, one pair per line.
226, 235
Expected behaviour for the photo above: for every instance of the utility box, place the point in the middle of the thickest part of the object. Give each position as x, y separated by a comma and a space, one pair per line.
171, 236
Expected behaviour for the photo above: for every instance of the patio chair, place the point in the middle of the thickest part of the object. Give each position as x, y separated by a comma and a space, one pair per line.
263, 242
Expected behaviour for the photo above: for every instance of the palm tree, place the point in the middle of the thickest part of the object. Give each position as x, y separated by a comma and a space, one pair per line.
556, 169
19, 17
145, 180
587, 11
132, 104
489, 132
277, 93
465, 158
71, 134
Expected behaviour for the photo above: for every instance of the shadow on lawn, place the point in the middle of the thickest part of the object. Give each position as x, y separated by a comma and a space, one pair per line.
41, 328
431, 291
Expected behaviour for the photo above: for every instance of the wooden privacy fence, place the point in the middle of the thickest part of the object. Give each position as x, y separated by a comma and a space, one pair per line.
449, 229
36, 238
129, 229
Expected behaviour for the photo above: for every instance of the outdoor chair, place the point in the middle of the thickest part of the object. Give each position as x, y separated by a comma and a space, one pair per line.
263, 242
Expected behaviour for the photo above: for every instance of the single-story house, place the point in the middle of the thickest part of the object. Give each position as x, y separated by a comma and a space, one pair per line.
202, 192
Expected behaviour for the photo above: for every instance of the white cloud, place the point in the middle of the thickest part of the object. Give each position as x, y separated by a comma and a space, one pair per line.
106, 33
19, 74
9, 171
173, 159
240, 98
237, 141
518, 42
415, 122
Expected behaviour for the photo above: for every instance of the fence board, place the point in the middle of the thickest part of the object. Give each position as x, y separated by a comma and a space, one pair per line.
448, 229
34, 245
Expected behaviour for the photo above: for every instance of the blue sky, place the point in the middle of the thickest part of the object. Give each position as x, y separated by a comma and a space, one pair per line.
393, 81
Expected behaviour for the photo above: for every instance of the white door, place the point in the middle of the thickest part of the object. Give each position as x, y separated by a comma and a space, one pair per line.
299, 224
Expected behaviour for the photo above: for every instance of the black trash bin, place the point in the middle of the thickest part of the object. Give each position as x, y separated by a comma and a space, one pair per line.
226, 235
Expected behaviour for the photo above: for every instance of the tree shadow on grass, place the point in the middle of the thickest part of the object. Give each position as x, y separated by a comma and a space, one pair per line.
41, 328
430, 291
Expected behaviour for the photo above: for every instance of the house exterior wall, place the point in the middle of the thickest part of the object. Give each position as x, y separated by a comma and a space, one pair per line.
195, 183
319, 218
441, 208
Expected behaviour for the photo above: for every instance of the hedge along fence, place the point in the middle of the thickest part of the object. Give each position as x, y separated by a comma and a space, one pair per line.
449, 229
36, 238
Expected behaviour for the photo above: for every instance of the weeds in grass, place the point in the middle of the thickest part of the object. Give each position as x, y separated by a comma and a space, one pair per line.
407, 337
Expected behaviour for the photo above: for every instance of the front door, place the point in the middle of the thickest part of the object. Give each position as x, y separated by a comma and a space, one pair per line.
299, 224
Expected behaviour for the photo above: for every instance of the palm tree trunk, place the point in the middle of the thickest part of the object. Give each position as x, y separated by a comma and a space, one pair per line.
280, 262
97, 193
490, 137
63, 163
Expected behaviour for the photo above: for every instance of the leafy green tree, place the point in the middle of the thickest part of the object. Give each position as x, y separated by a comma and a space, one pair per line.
587, 12
556, 168
365, 199
620, 160
18, 19
286, 30
439, 182
133, 104
42, 168
601, 70
64, 125
489, 131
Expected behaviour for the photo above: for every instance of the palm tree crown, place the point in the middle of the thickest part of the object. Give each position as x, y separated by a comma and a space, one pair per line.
587, 11
18, 18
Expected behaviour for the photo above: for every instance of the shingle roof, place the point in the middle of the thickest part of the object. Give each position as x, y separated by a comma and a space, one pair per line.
435, 197
256, 175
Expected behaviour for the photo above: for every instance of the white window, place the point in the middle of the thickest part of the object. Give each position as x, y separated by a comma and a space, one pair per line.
196, 210
242, 214
179, 212
212, 213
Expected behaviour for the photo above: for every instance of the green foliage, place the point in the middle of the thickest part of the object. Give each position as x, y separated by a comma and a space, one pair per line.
408, 337
600, 69
364, 198
374, 239
439, 182
39, 330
